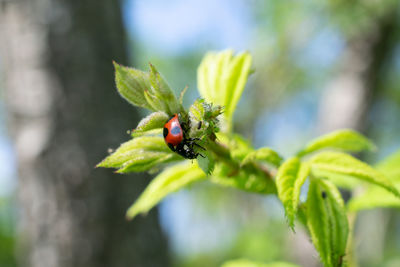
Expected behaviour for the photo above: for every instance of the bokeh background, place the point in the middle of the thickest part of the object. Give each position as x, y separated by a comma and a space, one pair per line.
319, 66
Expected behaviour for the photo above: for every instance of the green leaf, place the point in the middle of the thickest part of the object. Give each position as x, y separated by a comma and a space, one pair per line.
248, 263
165, 183
204, 119
339, 228
318, 223
291, 176
340, 180
327, 221
146, 89
344, 164
146, 161
196, 110
238, 146
264, 154
390, 166
154, 102
236, 80
246, 178
206, 162
163, 92
221, 79
131, 84
302, 214
196, 115
140, 154
347, 140
155, 120
375, 197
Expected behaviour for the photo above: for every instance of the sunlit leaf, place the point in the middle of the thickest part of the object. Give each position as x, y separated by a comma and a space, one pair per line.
131, 84
204, 119
344, 164
302, 214
165, 183
238, 146
291, 176
327, 221
197, 114
339, 228
140, 154
146, 89
248, 263
206, 162
155, 120
318, 222
163, 92
197, 110
347, 140
246, 178
390, 166
264, 154
375, 197
146, 160
339, 179
155, 102
221, 79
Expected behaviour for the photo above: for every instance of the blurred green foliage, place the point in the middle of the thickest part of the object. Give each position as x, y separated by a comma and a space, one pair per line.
7, 233
256, 240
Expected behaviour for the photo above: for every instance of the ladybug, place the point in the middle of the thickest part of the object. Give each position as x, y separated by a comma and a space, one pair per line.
175, 137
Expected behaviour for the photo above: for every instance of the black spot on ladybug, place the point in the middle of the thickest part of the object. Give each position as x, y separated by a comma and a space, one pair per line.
175, 130
171, 146
323, 194
165, 132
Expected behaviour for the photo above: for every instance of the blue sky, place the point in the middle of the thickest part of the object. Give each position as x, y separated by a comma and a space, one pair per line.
7, 160
178, 25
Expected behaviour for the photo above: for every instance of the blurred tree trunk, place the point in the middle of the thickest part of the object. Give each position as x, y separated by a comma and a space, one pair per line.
356, 86
63, 113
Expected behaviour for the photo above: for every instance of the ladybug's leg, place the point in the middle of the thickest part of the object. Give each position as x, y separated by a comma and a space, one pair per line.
192, 143
199, 146
180, 149
198, 154
184, 126
193, 139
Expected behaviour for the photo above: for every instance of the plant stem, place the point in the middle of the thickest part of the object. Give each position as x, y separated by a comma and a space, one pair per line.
350, 256
222, 153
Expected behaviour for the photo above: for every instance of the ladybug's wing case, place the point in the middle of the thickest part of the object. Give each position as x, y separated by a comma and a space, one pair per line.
172, 132
176, 139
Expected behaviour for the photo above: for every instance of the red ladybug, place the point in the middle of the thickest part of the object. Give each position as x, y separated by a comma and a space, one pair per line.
175, 135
